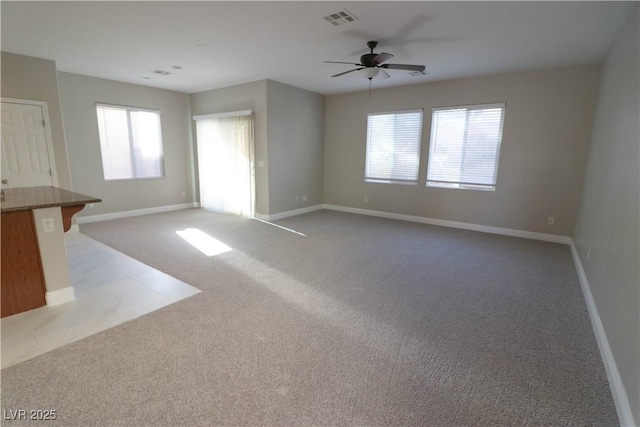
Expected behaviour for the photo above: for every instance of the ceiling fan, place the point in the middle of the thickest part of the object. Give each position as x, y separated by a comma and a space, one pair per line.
372, 63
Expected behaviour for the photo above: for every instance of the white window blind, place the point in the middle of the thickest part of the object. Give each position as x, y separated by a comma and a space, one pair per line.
130, 143
465, 146
393, 147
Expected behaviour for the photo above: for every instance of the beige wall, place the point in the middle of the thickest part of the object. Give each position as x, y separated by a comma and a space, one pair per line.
25, 77
295, 134
79, 95
609, 216
546, 132
249, 96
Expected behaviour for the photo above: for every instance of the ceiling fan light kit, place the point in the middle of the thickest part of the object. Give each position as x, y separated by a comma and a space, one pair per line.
370, 72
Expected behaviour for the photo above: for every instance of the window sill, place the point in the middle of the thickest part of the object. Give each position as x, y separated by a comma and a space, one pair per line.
455, 186
134, 179
383, 181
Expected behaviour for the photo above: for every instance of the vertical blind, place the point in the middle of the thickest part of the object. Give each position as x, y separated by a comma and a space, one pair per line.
130, 143
225, 162
393, 146
465, 146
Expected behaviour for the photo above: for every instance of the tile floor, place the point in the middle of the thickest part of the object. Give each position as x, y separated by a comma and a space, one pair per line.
111, 288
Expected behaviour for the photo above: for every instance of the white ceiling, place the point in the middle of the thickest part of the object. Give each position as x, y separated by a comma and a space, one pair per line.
220, 44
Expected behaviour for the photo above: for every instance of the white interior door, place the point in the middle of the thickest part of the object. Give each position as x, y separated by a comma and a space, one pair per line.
25, 152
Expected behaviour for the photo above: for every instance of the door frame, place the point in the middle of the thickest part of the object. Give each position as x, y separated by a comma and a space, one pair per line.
47, 131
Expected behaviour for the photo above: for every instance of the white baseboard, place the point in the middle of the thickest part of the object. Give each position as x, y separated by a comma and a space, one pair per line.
625, 416
137, 212
60, 296
280, 215
455, 224
287, 214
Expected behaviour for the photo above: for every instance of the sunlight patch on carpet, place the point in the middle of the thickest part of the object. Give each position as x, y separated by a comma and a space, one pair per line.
282, 227
206, 244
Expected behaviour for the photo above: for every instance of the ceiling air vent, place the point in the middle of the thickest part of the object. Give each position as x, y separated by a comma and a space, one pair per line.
160, 72
340, 18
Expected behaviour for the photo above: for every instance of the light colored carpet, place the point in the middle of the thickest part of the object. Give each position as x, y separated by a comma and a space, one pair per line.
361, 321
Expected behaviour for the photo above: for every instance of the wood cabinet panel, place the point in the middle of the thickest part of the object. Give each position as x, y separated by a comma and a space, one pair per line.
23, 286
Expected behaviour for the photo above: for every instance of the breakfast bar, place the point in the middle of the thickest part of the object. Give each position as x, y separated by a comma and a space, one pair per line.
34, 260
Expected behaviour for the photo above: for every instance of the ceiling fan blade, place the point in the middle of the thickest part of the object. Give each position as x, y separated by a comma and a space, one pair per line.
384, 74
407, 67
381, 57
346, 72
411, 26
340, 62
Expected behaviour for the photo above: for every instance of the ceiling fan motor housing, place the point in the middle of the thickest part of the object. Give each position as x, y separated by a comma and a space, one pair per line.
367, 59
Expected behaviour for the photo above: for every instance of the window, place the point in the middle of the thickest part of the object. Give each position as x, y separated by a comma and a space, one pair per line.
465, 147
130, 143
393, 147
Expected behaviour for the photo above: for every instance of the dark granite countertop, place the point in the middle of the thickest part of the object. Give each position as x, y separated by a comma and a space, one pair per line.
27, 198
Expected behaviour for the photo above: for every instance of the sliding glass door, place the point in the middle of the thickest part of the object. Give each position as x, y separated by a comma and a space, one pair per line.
225, 162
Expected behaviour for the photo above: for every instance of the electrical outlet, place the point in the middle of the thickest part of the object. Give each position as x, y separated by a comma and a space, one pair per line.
47, 225
305, 198
551, 221
297, 199
91, 205
184, 194
366, 200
